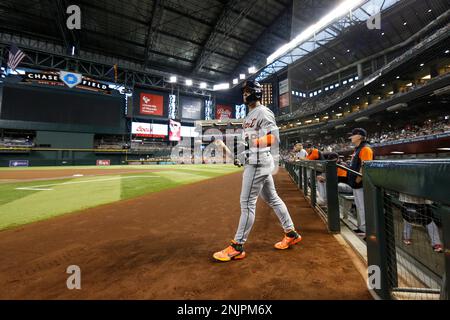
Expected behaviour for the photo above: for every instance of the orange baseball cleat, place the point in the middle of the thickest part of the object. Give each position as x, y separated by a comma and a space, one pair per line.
290, 239
234, 251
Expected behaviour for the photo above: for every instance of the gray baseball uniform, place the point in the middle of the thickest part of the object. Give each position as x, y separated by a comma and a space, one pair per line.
257, 179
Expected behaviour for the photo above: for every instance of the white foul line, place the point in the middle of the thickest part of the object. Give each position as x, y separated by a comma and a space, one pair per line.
40, 188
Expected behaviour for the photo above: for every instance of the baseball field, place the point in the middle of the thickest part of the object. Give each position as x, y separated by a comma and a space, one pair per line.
148, 232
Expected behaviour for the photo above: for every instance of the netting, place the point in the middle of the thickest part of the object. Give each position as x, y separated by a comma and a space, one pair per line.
414, 246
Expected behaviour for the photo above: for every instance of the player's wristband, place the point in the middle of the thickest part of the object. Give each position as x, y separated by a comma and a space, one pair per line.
265, 141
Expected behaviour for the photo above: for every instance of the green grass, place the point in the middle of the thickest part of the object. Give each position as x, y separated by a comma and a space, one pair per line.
20, 207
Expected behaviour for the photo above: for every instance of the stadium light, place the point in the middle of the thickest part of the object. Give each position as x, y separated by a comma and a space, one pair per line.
173, 79
189, 82
203, 85
221, 86
397, 106
341, 10
251, 70
235, 81
242, 76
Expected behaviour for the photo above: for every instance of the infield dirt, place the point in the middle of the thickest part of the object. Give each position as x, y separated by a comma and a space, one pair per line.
160, 246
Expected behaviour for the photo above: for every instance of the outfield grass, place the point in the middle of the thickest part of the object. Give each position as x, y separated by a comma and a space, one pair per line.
63, 196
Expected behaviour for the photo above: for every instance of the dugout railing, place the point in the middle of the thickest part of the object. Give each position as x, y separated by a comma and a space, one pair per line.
407, 210
323, 196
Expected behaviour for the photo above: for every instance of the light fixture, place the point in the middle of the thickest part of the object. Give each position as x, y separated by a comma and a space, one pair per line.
398, 77
173, 79
242, 76
203, 85
348, 50
368, 92
251, 70
383, 85
409, 84
221, 86
397, 106
447, 51
189, 82
334, 58
422, 64
382, 33
342, 9
235, 81
429, 10
405, 23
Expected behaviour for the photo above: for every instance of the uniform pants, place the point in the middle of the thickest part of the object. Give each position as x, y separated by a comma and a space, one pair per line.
258, 181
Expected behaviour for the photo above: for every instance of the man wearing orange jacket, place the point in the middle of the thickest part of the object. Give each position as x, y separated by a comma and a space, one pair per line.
363, 152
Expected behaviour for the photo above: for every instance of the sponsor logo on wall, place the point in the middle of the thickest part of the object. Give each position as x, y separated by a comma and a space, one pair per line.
18, 163
70, 79
191, 108
223, 112
66, 79
103, 162
153, 130
151, 104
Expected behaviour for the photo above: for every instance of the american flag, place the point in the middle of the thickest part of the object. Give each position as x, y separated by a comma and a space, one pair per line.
15, 57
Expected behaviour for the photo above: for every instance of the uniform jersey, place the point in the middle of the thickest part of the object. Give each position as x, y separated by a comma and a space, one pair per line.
259, 122
314, 155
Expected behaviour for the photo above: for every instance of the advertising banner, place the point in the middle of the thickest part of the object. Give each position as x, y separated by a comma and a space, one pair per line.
283, 87
284, 100
223, 112
150, 130
103, 162
174, 130
151, 104
66, 79
191, 108
18, 163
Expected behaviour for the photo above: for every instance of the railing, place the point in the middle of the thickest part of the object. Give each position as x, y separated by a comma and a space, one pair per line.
302, 172
407, 213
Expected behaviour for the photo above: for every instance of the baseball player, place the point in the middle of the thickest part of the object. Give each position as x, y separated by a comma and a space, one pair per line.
260, 133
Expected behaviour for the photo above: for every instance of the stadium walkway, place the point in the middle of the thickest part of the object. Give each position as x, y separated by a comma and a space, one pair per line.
159, 246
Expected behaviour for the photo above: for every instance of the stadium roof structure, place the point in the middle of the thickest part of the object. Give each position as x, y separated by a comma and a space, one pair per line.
202, 39
209, 42
346, 39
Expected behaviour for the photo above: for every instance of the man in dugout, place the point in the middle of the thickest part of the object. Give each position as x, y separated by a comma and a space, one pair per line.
313, 153
363, 152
